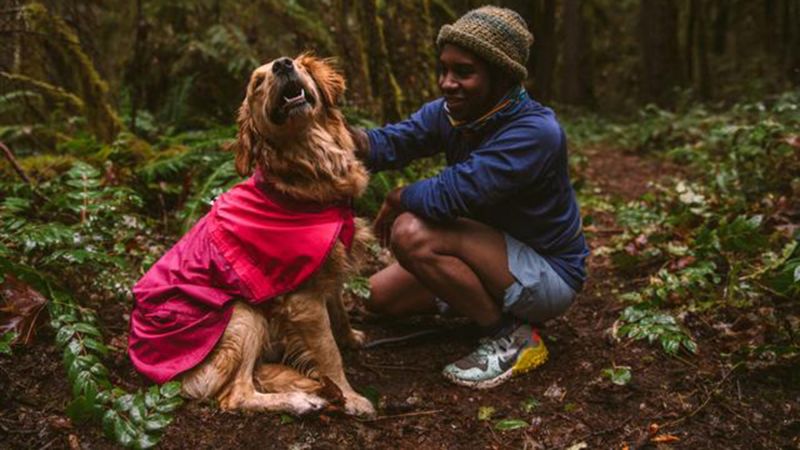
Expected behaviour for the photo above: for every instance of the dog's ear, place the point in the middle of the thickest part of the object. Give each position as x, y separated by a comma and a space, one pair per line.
329, 81
245, 144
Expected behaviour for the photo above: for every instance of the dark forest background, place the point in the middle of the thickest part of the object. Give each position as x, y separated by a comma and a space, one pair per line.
183, 64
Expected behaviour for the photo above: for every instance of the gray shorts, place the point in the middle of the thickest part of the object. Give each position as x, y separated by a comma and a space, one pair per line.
538, 293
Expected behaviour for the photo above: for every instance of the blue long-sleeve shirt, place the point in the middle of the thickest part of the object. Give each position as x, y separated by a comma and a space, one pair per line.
512, 175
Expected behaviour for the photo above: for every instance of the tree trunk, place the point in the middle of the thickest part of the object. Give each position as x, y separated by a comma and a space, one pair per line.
577, 84
661, 64
353, 57
543, 53
720, 26
382, 77
702, 78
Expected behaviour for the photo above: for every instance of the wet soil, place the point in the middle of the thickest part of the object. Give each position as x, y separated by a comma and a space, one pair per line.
701, 401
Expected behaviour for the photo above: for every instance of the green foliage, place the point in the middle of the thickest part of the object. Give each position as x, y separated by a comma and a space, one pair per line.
619, 375
5, 342
510, 424
655, 326
711, 241
358, 286
133, 420
138, 420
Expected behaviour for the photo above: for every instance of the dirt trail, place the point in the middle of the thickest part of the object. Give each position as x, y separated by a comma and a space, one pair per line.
696, 399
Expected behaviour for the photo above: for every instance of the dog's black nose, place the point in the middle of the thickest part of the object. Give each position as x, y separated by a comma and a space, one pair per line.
282, 66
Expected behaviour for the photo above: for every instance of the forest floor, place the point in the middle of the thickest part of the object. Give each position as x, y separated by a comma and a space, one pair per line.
697, 401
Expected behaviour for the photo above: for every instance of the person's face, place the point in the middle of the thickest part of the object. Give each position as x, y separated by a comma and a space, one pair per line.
465, 83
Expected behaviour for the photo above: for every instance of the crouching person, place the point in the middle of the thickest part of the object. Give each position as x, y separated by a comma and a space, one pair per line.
496, 235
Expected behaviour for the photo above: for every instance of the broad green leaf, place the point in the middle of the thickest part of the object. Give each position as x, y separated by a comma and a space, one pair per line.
64, 335
5, 341
619, 375
510, 424
96, 345
80, 409
169, 405
145, 440
152, 396
171, 389
124, 402
157, 422
124, 432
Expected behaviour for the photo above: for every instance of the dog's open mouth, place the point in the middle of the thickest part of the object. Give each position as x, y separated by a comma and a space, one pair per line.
292, 96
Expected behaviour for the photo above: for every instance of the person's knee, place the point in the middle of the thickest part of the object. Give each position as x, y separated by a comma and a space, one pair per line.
411, 238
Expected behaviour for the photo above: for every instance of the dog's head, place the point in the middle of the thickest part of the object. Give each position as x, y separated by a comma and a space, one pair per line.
284, 98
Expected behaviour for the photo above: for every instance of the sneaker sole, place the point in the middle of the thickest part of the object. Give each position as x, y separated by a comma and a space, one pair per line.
529, 359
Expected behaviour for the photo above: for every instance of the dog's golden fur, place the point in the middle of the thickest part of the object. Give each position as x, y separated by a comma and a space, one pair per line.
277, 360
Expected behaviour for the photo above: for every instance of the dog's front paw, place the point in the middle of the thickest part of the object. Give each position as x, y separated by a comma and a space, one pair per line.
301, 403
356, 339
356, 405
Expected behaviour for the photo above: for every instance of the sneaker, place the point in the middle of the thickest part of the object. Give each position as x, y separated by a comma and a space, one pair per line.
499, 358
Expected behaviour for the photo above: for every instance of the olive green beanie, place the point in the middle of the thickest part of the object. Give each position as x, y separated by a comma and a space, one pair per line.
499, 36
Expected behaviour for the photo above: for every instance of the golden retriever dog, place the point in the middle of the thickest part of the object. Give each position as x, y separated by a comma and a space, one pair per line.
278, 357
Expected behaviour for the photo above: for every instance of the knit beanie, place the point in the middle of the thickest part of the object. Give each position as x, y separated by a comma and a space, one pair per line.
499, 36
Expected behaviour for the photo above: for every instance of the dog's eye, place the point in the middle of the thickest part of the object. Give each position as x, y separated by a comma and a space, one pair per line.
258, 80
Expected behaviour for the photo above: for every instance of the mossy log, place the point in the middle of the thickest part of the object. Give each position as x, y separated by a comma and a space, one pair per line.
63, 44
54, 94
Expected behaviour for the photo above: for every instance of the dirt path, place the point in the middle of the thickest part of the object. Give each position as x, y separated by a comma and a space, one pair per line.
697, 399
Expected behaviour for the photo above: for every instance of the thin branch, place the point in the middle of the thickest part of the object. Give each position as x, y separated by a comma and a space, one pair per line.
401, 416
11, 159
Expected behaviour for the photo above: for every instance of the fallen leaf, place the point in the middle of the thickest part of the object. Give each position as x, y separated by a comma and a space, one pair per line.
20, 309
794, 141
510, 424
74, 442
485, 412
555, 392
664, 439
578, 446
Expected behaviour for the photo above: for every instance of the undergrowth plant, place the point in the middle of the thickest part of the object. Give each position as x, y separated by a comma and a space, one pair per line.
720, 239
74, 237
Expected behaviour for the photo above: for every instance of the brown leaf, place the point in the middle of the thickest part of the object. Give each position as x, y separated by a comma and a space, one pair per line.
331, 392
664, 439
21, 308
682, 262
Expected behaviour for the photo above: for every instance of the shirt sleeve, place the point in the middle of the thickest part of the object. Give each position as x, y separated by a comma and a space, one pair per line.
499, 168
394, 146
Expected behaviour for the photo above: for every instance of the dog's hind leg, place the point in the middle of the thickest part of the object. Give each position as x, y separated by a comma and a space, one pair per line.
281, 378
228, 372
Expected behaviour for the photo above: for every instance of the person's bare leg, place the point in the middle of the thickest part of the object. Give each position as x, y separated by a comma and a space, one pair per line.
463, 263
396, 292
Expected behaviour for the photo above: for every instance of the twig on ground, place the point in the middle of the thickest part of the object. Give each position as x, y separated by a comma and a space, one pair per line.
401, 416
494, 435
708, 398
393, 367
408, 337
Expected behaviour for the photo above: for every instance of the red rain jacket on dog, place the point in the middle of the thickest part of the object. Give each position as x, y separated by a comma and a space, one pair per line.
253, 245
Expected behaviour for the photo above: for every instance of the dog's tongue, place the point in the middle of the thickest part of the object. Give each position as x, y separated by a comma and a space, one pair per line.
292, 101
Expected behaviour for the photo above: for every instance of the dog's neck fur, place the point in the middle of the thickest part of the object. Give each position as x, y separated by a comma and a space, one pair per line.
317, 166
